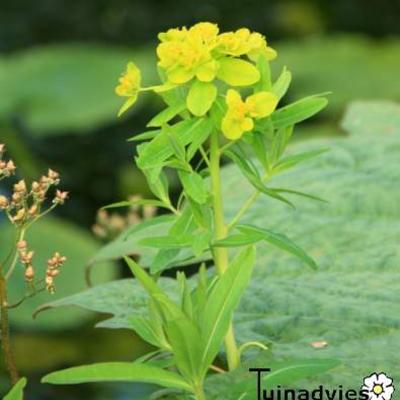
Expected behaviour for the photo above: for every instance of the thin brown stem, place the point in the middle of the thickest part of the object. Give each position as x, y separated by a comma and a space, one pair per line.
5, 333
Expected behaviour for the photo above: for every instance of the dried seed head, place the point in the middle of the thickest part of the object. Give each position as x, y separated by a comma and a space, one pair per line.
20, 187
10, 168
16, 198
29, 273
53, 177
60, 197
50, 284
22, 245
27, 257
35, 187
2, 148
20, 216
33, 210
4, 203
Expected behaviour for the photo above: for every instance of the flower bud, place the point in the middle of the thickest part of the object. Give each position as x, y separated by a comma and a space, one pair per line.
22, 245
60, 197
26, 257
19, 216
33, 210
10, 168
53, 177
29, 273
50, 284
3, 202
35, 187
20, 187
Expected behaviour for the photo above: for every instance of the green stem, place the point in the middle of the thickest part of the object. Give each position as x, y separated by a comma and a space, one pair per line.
199, 393
20, 237
5, 332
247, 204
221, 254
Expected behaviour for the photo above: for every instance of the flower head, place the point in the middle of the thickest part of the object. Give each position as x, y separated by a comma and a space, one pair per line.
129, 86
243, 42
185, 54
240, 114
129, 83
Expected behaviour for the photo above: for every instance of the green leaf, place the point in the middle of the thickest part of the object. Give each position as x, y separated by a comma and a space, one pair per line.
298, 111
201, 97
145, 135
167, 242
158, 150
264, 84
237, 240
117, 372
127, 104
279, 143
177, 147
250, 172
298, 193
194, 186
237, 72
282, 84
293, 160
196, 143
221, 303
138, 202
186, 347
279, 240
17, 391
47, 81
150, 331
166, 115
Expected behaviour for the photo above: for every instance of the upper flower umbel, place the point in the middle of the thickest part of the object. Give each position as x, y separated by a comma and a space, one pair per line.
185, 54
243, 42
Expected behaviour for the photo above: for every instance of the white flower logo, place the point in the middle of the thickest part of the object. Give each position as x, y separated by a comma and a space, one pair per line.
378, 386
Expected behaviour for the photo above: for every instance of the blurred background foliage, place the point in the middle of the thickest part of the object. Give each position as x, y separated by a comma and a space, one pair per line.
59, 62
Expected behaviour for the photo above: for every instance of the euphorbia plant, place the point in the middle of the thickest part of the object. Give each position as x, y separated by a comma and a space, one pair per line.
220, 102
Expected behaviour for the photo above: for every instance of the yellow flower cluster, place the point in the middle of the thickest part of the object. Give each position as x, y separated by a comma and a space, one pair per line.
239, 117
197, 52
197, 56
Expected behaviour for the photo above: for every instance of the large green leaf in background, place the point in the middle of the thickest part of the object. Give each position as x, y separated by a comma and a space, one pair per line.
352, 67
58, 88
353, 301
45, 238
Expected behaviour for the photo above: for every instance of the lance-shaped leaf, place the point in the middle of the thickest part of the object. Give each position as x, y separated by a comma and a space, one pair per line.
291, 161
280, 87
298, 111
154, 153
221, 303
194, 186
279, 240
17, 391
117, 372
166, 115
